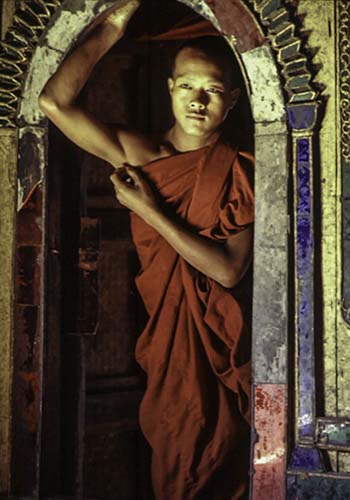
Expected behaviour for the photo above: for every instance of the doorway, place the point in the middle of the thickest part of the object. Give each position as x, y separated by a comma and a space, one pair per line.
103, 453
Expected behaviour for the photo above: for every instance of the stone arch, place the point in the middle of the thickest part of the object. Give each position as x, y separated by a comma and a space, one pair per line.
267, 34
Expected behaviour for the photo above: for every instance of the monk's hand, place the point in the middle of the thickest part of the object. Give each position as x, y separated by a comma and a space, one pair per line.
133, 191
120, 17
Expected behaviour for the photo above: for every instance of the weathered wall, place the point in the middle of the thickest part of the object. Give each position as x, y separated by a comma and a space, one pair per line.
8, 160
322, 25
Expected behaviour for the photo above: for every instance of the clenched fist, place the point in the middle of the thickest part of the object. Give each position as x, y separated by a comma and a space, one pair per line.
122, 14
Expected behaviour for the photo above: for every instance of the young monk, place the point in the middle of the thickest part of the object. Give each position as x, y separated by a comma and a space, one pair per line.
192, 213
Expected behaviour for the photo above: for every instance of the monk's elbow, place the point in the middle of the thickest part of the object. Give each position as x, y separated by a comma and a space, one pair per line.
47, 104
232, 276
228, 280
51, 106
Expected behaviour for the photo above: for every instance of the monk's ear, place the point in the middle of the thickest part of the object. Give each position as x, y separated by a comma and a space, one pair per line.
171, 84
234, 95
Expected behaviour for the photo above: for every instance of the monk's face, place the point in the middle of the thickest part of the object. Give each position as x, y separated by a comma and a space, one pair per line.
201, 94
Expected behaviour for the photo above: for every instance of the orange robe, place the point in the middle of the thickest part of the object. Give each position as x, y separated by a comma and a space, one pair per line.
195, 347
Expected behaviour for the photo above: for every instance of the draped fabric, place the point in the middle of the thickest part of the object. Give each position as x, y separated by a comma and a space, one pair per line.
195, 347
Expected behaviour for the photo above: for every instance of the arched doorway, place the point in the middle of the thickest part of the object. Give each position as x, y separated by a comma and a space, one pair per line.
271, 269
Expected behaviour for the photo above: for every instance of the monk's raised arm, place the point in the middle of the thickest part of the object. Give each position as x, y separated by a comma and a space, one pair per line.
58, 98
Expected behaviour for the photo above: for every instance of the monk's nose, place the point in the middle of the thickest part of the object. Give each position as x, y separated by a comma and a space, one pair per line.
198, 101
197, 105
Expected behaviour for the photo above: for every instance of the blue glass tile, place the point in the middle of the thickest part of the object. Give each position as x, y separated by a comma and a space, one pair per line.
302, 116
308, 459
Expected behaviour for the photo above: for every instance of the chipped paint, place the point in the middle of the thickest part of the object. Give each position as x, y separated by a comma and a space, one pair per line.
272, 457
270, 256
31, 161
269, 459
266, 91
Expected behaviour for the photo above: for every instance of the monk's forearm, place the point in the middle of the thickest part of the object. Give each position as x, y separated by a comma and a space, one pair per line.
208, 257
65, 85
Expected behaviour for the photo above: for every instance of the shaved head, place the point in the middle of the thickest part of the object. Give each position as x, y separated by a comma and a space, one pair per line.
216, 49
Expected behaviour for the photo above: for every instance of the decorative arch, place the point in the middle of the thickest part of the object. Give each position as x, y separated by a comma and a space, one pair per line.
284, 108
31, 20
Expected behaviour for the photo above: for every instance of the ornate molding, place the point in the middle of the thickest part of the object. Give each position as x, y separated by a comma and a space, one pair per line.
16, 51
344, 75
281, 31
343, 21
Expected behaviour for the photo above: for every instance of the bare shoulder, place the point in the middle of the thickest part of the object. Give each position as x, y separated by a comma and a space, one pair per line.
138, 148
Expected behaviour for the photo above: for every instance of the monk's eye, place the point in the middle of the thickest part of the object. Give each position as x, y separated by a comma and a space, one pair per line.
214, 90
184, 86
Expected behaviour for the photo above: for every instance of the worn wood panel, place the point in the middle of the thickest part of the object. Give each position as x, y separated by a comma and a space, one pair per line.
27, 345
50, 459
87, 315
112, 432
112, 351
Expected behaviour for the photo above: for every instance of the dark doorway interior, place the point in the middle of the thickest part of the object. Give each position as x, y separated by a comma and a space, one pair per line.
94, 314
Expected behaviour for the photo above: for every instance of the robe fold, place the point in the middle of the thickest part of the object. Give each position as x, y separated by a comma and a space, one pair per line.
195, 348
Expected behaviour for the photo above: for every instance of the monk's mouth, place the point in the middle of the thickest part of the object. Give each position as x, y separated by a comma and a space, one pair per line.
195, 116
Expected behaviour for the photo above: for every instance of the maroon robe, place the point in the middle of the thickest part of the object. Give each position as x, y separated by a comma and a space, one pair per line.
195, 347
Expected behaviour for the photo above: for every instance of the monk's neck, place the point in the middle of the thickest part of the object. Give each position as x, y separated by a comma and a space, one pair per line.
184, 142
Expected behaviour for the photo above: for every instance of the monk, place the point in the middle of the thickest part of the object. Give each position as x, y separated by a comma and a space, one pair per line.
192, 210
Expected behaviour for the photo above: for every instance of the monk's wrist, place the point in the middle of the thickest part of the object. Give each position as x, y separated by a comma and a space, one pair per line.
163, 224
152, 215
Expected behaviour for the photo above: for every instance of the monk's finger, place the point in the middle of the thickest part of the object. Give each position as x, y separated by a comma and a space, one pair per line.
125, 178
119, 188
120, 167
135, 175
115, 180
119, 179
